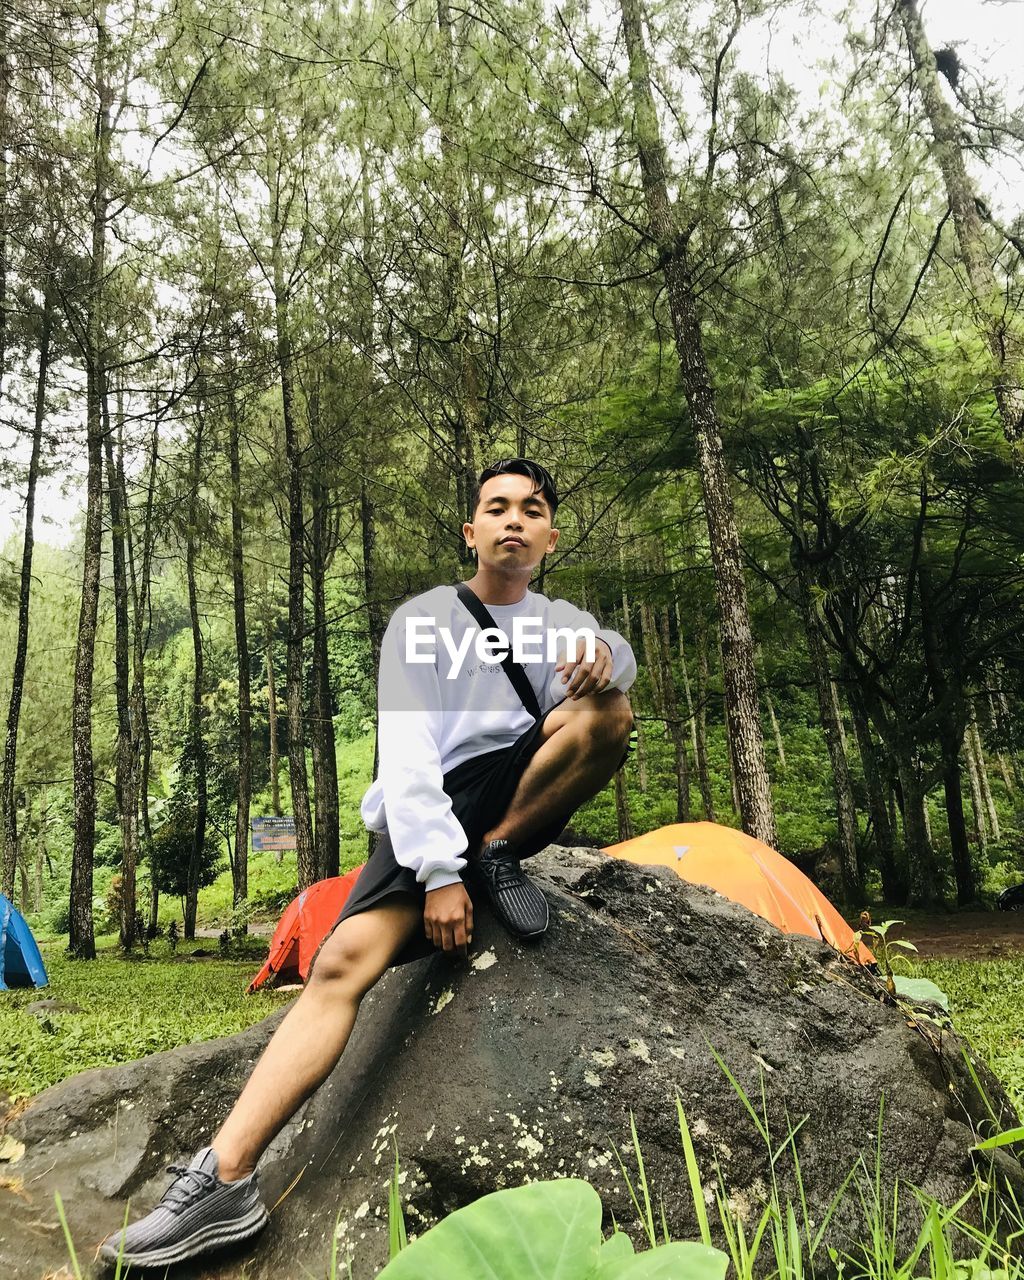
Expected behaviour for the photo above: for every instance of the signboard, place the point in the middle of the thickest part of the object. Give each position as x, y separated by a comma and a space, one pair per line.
272, 833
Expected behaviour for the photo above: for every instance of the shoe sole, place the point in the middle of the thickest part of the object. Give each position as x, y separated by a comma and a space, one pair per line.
214, 1236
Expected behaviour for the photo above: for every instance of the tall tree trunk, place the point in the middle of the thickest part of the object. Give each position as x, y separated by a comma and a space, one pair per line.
305, 857
687, 689
753, 785
627, 624
375, 624
995, 319
773, 720
139, 574
963, 866
125, 758
623, 819
42, 853
81, 942
839, 717
5, 137
8, 802
923, 879
465, 399
652, 661
993, 724
846, 817
325, 760
1008, 725
275, 762
948, 703
676, 726
240, 864
701, 722
627, 631
977, 800
986, 789
197, 710
894, 888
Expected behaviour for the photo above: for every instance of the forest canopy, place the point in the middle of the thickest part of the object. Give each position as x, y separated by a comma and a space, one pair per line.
281, 281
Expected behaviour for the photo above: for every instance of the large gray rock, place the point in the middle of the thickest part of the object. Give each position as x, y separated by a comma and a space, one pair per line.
526, 1064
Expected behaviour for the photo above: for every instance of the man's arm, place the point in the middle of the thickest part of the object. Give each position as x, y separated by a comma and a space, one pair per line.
425, 834
615, 663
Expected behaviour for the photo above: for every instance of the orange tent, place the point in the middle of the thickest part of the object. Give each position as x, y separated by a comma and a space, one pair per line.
303, 927
747, 871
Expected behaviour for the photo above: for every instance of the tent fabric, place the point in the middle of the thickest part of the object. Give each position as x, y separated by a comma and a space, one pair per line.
305, 923
21, 964
747, 871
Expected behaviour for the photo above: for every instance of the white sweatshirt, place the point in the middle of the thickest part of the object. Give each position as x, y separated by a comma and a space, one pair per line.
428, 723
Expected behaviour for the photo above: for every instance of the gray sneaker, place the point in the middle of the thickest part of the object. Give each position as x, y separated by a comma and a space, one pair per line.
197, 1213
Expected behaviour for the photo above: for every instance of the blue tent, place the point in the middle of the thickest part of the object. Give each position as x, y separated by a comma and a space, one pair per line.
21, 965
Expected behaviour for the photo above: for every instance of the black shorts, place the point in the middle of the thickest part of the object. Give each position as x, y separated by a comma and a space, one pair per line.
480, 790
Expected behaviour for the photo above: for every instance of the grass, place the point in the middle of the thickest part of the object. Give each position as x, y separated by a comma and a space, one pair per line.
905, 1233
130, 1008
784, 1244
985, 999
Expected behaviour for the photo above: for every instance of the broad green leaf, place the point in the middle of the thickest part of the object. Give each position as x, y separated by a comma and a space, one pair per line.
1000, 1140
614, 1253
920, 989
678, 1261
542, 1231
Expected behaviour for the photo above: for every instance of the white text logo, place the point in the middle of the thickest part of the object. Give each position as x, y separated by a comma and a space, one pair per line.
530, 642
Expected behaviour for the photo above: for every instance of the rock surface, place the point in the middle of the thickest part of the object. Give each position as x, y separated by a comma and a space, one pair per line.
525, 1063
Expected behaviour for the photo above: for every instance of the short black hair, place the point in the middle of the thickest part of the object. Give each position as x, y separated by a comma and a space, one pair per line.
541, 477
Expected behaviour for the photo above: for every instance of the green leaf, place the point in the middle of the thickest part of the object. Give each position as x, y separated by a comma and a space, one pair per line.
693, 1174
677, 1261
542, 1231
920, 989
1001, 1140
614, 1253
396, 1218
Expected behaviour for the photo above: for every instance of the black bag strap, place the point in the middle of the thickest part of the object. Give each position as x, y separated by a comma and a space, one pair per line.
514, 671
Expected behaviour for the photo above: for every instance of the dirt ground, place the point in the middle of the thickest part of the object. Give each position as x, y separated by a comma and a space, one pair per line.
974, 935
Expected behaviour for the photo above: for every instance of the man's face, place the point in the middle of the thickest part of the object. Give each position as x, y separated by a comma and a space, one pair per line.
511, 526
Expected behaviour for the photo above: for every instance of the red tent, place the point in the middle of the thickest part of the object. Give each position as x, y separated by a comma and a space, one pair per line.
303, 927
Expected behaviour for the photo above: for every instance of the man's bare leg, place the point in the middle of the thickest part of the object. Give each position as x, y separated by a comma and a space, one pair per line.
306, 1046
583, 744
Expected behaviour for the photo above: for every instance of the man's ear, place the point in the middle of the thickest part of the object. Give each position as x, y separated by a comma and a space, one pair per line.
552, 540
467, 532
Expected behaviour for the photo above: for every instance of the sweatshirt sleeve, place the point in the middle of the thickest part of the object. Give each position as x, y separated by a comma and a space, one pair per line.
566, 614
425, 833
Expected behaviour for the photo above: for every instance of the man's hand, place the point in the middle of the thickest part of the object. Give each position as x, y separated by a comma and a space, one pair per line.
587, 677
448, 918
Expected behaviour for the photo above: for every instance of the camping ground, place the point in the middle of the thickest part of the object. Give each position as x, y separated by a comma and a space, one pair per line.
120, 1009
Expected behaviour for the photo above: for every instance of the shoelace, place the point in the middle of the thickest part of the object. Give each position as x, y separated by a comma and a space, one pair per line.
507, 872
187, 1185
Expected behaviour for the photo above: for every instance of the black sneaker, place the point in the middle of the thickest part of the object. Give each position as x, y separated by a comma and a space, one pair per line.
196, 1214
518, 903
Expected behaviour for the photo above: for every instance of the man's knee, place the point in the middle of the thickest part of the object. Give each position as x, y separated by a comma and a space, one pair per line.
609, 717
343, 964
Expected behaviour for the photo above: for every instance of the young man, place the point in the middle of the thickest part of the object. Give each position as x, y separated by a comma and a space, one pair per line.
470, 782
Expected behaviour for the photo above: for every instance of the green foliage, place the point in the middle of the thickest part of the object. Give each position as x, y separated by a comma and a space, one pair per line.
543, 1231
1005, 1139
916, 989
130, 1008
985, 999
171, 852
